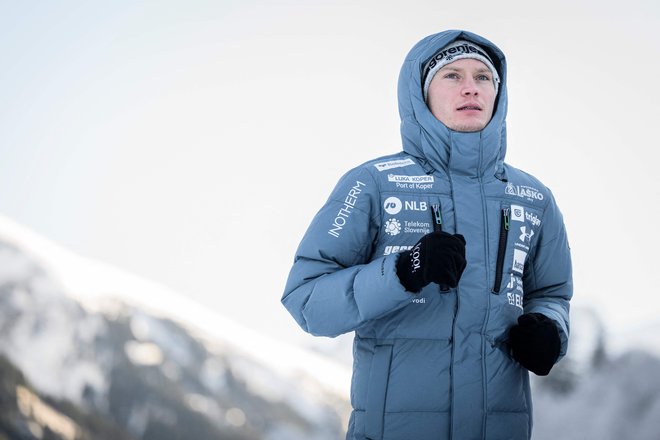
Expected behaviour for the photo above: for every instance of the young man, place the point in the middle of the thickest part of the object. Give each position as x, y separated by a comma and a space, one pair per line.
452, 268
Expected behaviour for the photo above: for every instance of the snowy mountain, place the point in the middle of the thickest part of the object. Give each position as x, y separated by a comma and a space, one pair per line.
604, 389
90, 352
26, 414
620, 399
143, 362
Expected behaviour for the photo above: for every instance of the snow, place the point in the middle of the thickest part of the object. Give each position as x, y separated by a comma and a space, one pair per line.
32, 349
143, 353
621, 400
97, 286
43, 338
203, 404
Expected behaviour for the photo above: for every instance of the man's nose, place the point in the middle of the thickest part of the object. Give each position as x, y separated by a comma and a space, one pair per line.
469, 87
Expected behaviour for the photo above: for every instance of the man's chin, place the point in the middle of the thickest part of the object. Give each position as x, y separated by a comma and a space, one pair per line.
468, 128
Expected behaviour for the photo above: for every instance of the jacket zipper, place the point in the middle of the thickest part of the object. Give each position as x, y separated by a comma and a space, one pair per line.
501, 249
437, 218
437, 227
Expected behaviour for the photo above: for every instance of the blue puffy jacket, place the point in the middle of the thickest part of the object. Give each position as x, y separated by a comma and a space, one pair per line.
435, 365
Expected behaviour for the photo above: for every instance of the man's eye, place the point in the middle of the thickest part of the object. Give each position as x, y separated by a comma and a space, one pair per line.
483, 78
451, 76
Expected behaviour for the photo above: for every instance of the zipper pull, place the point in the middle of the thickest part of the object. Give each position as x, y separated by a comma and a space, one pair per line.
437, 217
505, 214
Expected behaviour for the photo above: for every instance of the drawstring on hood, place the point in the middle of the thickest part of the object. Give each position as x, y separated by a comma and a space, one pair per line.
472, 154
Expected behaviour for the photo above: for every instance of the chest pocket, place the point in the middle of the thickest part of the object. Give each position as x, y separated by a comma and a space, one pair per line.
518, 231
408, 217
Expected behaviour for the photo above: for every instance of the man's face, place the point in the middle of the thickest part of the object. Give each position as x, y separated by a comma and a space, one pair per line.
462, 95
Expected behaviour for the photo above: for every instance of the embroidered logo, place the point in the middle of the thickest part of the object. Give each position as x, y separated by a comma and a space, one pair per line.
526, 192
515, 300
392, 227
392, 205
346, 209
395, 249
519, 260
526, 236
517, 213
383, 166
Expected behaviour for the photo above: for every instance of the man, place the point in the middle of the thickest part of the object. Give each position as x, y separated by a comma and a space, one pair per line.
452, 268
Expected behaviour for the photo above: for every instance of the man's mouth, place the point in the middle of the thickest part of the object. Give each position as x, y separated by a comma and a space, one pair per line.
469, 107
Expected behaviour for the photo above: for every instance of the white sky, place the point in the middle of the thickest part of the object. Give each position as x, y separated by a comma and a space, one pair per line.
192, 142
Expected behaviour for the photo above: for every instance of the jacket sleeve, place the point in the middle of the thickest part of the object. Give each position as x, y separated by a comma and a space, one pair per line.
548, 277
333, 286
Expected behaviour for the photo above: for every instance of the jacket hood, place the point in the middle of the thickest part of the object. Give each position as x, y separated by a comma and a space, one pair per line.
472, 154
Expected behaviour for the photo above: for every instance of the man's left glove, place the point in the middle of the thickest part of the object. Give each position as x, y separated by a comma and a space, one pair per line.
535, 342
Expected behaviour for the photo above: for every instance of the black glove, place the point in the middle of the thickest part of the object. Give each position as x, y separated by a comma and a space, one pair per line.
535, 342
437, 257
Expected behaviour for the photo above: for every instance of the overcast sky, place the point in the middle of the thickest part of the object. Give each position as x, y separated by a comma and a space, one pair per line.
192, 142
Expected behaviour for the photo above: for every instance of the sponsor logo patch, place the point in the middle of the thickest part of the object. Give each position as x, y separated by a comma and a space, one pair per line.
526, 236
392, 205
512, 282
410, 179
392, 227
395, 249
411, 182
519, 260
515, 299
414, 205
532, 218
517, 213
520, 214
384, 166
347, 208
515, 283
526, 192
416, 227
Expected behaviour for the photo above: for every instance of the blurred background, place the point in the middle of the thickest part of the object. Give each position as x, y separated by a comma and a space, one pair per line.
160, 161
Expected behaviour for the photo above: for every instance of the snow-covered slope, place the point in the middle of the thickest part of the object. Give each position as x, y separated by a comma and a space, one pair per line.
150, 359
619, 399
604, 389
91, 283
158, 366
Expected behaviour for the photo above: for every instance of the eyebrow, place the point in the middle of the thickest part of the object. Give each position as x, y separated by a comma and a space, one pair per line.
457, 69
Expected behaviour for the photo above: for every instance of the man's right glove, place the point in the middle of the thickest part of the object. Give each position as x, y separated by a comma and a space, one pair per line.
535, 342
437, 257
